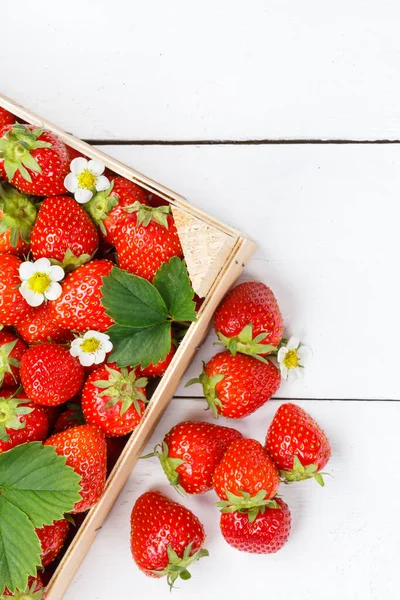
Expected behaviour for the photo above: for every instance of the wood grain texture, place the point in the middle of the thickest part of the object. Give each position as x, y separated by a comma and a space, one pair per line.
344, 541
225, 70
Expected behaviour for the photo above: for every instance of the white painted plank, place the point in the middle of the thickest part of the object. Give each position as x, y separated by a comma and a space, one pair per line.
178, 70
326, 221
344, 544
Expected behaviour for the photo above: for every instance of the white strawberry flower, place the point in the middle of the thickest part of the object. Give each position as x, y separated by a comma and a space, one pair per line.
40, 281
85, 179
293, 358
91, 348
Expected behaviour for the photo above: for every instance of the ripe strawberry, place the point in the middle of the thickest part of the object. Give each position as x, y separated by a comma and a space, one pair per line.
39, 326
53, 413
50, 375
114, 400
190, 453
11, 350
85, 449
249, 320
106, 208
34, 590
265, 535
17, 216
21, 421
52, 539
159, 369
297, 444
6, 118
13, 307
235, 386
79, 306
166, 537
246, 478
64, 232
72, 417
35, 161
145, 238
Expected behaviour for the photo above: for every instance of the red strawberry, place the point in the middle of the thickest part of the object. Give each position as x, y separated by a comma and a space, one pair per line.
34, 590
166, 537
114, 400
79, 306
246, 478
64, 232
85, 450
146, 238
106, 208
72, 417
11, 350
52, 539
190, 453
35, 161
6, 118
265, 535
50, 375
53, 413
13, 307
297, 444
39, 326
159, 369
21, 421
235, 386
249, 320
17, 216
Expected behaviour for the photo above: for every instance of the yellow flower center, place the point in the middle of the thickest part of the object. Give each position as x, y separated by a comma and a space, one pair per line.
87, 179
90, 345
39, 282
291, 360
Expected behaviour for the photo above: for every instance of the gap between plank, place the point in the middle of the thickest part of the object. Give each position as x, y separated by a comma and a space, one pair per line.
264, 142
307, 399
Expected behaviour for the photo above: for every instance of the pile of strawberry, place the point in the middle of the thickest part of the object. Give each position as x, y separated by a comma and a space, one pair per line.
198, 456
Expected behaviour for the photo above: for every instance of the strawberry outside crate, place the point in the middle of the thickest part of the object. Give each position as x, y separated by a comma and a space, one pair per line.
215, 255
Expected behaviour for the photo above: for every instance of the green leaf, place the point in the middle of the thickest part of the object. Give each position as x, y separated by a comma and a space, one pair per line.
132, 301
140, 347
173, 283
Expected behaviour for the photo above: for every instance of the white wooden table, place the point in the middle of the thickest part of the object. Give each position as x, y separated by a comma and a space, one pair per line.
278, 117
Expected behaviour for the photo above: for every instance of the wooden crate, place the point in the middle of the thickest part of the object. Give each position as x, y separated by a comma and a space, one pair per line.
215, 255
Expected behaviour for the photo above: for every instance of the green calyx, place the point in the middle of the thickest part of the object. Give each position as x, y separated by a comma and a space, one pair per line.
146, 214
246, 344
6, 361
178, 567
28, 594
123, 387
209, 389
169, 465
70, 261
19, 213
251, 505
16, 147
100, 206
300, 472
10, 409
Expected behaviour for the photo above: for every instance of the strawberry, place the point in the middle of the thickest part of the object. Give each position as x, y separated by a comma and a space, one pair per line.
17, 216
39, 326
53, 414
249, 320
235, 386
13, 307
11, 350
106, 208
265, 535
35, 161
166, 537
6, 118
159, 369
297, 444
72, 417
190, 453
113, 399
21, 421
246, 478
52, 539
34, 591
145, 238
85, 449
64, 232
79, 306
50, 375
115, 446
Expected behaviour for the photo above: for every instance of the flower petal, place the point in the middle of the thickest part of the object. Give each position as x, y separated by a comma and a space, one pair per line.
305, 354
75, 349
82, 195
107, 346
42, 265
78, 165
71, 182
54, 291
26, 270
284, 372
282, 353
102, 183
32, 298
298, 371
86, 359
99, 356
56, 273
293, 343
92, 334
96, 166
